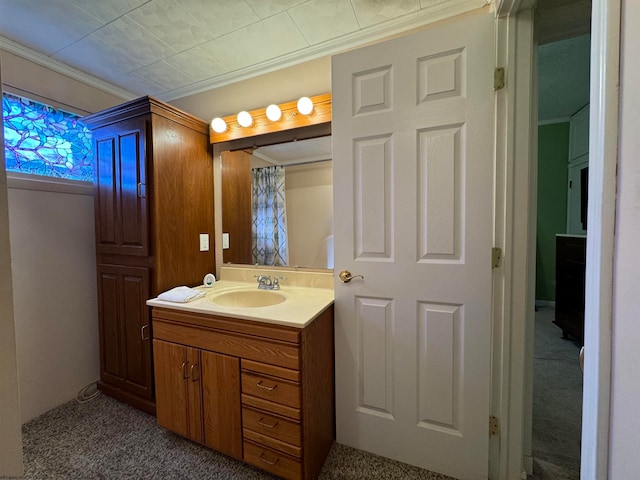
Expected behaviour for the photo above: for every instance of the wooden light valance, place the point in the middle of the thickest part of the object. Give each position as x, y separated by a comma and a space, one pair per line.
290, 119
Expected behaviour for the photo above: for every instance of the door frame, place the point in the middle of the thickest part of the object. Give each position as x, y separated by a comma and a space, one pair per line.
514, 283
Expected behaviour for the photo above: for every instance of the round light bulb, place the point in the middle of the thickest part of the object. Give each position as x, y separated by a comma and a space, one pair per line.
218, 125
305, 106
245, 119
274, 113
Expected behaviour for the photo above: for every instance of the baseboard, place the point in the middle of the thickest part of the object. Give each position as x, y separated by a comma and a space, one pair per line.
527, 462
546, 303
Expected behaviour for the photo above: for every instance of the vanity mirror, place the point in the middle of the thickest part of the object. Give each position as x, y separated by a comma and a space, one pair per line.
303, 157
277, 204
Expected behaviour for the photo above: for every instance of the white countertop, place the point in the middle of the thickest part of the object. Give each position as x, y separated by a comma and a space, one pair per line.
301, 307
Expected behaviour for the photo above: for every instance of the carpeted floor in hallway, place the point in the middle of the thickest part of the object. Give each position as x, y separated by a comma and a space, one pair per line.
557, 402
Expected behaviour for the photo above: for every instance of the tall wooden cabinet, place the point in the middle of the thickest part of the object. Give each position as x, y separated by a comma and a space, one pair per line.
153, 199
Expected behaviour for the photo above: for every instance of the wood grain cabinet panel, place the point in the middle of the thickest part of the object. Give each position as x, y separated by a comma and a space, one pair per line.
272, 461
221, 403
125, 351
271, 388
153, 198
571, 252
275, 417
172, 403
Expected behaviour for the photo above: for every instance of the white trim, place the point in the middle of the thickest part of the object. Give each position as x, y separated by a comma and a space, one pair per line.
603, 155
400, 25
52, 64
41, 183
554, 120
514, 282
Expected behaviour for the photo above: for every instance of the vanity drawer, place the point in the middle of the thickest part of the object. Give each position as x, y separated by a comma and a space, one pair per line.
271, 426
272, 461
271, 388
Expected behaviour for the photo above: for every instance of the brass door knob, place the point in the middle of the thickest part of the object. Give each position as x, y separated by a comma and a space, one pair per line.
346, 276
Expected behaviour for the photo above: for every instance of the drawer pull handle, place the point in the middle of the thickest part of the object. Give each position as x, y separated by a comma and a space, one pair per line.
264, 424
194, 376
259, 384
185, 373
262, 458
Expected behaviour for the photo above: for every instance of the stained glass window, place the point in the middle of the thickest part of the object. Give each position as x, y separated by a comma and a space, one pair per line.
40, 140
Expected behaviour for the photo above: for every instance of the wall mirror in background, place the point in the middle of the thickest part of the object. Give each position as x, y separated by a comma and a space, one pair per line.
277, 202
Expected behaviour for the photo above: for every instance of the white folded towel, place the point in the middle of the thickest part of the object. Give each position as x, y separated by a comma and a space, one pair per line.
181, 295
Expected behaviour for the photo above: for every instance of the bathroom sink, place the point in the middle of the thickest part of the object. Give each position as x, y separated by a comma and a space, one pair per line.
248, 298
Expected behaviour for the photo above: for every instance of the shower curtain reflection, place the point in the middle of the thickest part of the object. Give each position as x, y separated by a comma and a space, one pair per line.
269, 216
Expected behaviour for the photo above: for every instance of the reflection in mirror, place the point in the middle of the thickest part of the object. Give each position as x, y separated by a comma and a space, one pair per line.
306, 222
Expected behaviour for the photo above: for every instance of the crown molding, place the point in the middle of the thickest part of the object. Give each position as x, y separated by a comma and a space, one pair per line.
52, 64
359, 38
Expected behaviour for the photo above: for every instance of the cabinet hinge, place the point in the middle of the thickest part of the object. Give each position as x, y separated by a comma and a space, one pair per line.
496, 257
494, 426
498, 78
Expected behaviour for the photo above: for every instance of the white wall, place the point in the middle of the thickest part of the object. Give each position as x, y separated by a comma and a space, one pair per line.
309, 193
624, 461
55, 299
10, 434
53, 261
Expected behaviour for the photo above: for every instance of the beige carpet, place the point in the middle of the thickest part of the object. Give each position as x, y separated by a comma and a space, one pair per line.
557, 402
105, 439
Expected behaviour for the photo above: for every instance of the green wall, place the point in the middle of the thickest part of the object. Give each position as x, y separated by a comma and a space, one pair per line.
553, 155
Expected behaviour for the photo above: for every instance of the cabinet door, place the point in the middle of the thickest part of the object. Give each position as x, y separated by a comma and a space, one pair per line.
125, 350
178, 389
221, 403
122, 225
171, 370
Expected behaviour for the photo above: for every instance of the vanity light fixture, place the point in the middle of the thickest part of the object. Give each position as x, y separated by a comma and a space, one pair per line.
304, 112
305, 106
274, 113
218, 125
245, 119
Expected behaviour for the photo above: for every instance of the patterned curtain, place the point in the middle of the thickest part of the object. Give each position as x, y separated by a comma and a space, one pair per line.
269, 229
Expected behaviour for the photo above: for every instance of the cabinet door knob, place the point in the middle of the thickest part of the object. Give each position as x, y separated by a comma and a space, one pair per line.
265, 387
268, 425
142, 335
265, 460
194, 373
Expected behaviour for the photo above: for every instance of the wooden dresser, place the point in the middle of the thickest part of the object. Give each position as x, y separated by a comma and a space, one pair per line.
570, 283
153, 199
259, 392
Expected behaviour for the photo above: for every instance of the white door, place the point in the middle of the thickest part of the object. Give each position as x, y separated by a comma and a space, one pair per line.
413, 123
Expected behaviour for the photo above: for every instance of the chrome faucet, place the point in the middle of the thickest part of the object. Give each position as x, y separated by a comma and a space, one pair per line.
266, 283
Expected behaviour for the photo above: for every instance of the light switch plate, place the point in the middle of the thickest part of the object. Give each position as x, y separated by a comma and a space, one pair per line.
204, 242
225, 240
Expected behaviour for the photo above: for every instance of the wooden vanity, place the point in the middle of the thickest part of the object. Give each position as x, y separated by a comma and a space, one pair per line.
257, 391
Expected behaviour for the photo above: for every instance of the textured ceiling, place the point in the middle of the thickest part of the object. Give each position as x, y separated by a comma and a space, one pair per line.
563, 77
171, 48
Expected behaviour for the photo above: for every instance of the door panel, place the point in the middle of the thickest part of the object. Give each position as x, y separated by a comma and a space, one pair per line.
108, 304
221, 403
413, 173
122, 226
171, 388
135, 316
106, 176
194, 394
